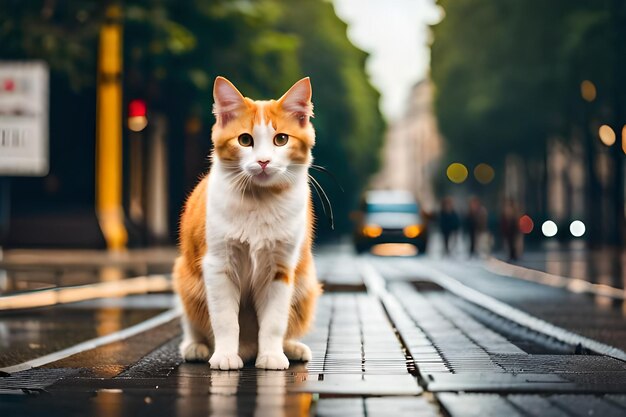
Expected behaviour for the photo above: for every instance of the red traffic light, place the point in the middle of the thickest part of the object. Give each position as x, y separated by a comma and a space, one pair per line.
137, 108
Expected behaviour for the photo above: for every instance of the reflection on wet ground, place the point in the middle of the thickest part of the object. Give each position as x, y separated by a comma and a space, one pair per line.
356, 354
24, 270
247, 392
603, 266
367, 356
25, 335
606, 266
191, 390
18, 280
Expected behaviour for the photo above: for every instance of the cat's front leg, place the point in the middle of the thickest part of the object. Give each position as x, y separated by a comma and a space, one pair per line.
273, 314
223, 301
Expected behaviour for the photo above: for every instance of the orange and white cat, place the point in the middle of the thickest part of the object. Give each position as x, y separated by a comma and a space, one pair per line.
245, 275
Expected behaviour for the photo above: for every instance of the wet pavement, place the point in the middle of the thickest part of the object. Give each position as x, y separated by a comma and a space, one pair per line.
25, 335
595, 317
27, 270
605, 266
389, 339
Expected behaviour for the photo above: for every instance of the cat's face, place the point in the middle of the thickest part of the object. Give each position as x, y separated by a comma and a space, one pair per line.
263, 143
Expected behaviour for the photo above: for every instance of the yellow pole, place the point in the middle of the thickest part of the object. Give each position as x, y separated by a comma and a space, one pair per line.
109, 132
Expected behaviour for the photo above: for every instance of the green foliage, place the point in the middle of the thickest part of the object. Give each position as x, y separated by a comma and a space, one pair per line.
263, 47
508, 73
347, 120
174, 49
65, 37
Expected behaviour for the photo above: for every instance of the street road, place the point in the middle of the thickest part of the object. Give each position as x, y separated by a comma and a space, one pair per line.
418, 336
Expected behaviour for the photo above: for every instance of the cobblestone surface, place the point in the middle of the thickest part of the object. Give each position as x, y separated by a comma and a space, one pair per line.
371, 357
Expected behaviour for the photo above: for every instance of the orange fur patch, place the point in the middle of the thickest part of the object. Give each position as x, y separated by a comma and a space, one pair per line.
187, 273
305, 279
301, 138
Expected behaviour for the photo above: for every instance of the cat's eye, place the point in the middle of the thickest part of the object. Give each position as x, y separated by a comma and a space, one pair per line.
281, 139
245, 140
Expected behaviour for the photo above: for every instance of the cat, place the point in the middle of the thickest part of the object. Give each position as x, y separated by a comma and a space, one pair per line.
245, 274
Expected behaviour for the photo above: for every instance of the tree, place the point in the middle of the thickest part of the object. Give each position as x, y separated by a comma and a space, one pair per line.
173, 50
508, 78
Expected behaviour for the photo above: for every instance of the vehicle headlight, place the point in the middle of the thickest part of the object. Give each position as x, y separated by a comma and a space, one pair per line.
412, 231
372, 230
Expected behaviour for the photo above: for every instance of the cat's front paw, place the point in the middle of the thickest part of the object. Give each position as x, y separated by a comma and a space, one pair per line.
225, 361
297, 351
272, 360
194, 351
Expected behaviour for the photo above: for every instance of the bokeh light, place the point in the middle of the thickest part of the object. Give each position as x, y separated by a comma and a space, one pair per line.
549, 228
484, 173
457, 173
624, 139
137, 123
607, 135
372, 230
394, 249
588, 90
577, 228
412, 231
526, 224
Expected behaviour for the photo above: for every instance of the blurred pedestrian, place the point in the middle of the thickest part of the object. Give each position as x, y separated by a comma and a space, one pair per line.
448, 222
509, 226
476, 223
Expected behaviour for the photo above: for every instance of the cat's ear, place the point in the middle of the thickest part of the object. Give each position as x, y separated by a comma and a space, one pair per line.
228, 101
297, 101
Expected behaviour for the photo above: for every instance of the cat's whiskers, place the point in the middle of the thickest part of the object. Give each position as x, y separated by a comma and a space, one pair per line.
319, 190
235, 179
239, 182
253, 193
292, 178
245, 186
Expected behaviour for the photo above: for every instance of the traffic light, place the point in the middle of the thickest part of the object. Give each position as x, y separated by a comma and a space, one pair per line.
137, 115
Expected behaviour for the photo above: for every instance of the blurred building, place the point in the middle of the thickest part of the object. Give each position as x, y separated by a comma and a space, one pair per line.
413, 146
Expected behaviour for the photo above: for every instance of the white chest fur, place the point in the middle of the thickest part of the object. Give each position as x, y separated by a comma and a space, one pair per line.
254, 233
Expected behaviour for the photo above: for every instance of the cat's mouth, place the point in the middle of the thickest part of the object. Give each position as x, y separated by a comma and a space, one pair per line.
267, 177
263, 176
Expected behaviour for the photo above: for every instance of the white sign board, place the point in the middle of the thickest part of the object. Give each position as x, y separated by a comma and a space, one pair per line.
23, 118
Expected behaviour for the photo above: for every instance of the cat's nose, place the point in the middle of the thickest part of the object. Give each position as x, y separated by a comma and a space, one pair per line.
263, 163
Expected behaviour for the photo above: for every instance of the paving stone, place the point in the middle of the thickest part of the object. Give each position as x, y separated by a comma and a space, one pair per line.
500, 382
578, 313
34, 379
470, 405
562, 364
478, 405
467, 356
587, 405
359, 367
340, 407
399, 407
617, 399
535, 405
356, 353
